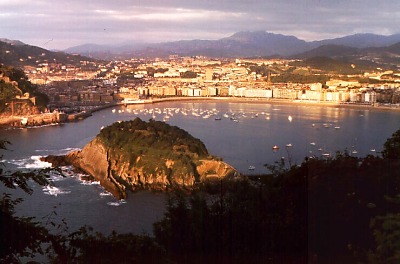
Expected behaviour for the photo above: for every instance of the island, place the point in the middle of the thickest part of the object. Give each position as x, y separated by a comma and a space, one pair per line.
153, 155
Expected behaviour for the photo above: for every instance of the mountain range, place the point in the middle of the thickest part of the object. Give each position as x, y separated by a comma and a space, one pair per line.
241, 44
371, 48
18, 54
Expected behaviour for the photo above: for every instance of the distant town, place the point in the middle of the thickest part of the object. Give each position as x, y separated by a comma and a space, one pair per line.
123, 81
79, 88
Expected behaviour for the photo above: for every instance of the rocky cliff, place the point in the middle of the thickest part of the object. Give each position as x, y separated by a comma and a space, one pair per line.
145, 155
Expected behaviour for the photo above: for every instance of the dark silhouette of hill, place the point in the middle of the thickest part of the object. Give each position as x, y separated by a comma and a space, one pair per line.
330, 50
245, 44
368, 57
241, 44
365, 40
18, 54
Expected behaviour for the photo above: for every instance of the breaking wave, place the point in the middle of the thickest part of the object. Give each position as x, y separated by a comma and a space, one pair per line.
84, 182
54, 191
32, 162
116, 203
105, 193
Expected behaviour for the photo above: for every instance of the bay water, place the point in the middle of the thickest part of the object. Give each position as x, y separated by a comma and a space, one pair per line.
241, 133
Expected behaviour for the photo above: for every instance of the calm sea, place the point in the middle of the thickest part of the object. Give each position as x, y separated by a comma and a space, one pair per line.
243, 135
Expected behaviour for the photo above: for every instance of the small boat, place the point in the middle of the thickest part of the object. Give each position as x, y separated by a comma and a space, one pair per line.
289, 145
218, 118
373, 150
113, 110
251, 167
337, 127
24, 120
312, 143
354, 152
275, 147
290, 118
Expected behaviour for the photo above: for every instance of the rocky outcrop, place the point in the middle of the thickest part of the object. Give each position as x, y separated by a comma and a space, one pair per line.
153, 169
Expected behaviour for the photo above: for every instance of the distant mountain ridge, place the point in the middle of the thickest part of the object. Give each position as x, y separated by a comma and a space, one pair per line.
240, 44
388, 56
12, 42
366, 40
18, 54
243, 44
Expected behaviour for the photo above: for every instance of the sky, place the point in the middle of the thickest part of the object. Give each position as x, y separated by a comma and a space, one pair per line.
60, 24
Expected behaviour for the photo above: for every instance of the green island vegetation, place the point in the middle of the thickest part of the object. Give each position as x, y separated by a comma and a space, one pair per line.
8, 91
338, 210
150, 144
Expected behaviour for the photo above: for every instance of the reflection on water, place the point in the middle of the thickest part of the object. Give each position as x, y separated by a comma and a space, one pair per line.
243, 134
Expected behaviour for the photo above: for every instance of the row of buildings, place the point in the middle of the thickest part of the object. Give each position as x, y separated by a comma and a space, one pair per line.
137, 79
307, 92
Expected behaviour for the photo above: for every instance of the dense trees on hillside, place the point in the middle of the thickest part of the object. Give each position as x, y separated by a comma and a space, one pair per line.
188, 74
8, 91
339, 210
152, 140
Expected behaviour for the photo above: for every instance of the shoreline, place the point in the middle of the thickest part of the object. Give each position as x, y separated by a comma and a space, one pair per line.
9, 121
281, 102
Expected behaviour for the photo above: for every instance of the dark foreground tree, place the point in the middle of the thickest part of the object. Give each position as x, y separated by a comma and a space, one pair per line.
340, 210
20, 237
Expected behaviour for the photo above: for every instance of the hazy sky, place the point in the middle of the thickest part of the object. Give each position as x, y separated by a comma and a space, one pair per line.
59, 24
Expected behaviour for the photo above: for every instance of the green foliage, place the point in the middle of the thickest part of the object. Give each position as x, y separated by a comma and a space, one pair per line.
151, 144
329, 65
188, 75
86, 247
20, 236
386, 230
241, 222
150, 71
8, 92
259, 69
391, 148
33, 56
340, 210
299, 78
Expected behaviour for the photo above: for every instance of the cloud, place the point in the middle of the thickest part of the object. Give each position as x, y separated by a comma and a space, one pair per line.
166, 14
76, 22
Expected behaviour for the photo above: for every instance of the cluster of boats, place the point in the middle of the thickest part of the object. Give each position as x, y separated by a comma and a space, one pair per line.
167, 113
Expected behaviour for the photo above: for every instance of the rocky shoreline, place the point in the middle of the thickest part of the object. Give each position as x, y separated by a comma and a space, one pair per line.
159, 167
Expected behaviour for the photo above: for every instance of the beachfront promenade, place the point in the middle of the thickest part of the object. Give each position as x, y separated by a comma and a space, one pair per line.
56, 117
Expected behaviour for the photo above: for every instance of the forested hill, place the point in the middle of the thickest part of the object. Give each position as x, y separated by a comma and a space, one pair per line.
13, 82
18, 54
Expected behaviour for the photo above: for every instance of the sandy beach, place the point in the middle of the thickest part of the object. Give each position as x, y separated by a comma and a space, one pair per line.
8, 120
284, 102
